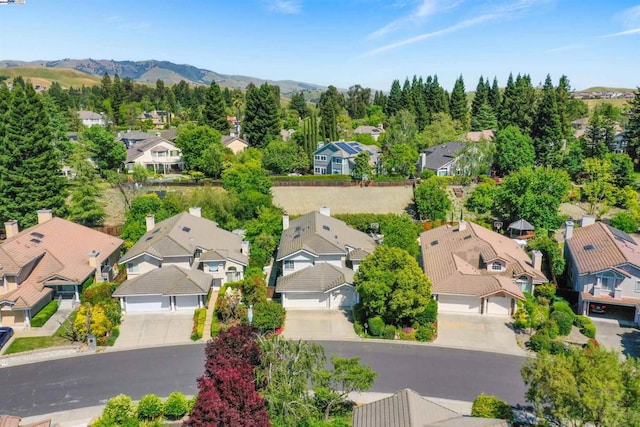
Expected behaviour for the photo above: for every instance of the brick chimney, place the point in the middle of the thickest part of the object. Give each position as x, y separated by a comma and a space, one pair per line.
11, 228
44, 215
151, 222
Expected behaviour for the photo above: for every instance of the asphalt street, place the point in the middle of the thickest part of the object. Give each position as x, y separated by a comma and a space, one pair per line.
77, 382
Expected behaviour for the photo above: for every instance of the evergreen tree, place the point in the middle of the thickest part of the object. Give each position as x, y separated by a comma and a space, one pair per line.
485, 118
563, 97
406, 100
419, 104
117, 99
632, 130
261, 123
599, 136
299, 105
30, 177
380, 99
331, 105
495, 97
458, 106
213, 113
506, 116
358, 100
547, 129
86, 188
309, 137
394, 101
481, 97
525, 103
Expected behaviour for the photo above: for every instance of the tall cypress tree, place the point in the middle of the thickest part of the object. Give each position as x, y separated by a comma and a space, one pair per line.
494, 97
525, 103
406, 100
214, 114
30, 177
394, 101
458, 106
632, 131
547, 129
506, 116
563, 96
331, 104
261, 121
481, 97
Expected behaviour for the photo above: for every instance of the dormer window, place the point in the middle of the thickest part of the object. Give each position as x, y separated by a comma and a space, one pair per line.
496, 266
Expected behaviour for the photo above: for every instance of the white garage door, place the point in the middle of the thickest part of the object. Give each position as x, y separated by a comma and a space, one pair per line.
458, 304
343, 297
306, 300
143, 303
186, 302
499, 306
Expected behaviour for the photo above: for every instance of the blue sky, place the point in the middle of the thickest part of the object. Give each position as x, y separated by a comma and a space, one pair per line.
342, 42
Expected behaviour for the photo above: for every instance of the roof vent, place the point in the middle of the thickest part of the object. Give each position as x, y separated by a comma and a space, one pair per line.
589, 247
467, 237
36, 241
435, 242
326, 227
37, 235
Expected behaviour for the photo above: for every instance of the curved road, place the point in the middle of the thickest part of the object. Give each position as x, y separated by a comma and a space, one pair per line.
46, 387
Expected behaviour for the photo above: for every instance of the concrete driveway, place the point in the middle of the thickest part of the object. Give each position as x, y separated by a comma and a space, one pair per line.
475, 332
154, 329
319, 325
612, 335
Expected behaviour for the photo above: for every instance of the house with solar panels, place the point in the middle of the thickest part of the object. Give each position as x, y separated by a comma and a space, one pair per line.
338, 158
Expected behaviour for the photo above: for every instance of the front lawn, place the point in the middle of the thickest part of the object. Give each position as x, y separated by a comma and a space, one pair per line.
33, 343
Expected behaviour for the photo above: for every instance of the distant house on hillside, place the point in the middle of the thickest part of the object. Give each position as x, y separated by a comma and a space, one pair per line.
155, 154
159, 118
234, 143
441, 159
338, 158
90, 118
373, 131
477, 136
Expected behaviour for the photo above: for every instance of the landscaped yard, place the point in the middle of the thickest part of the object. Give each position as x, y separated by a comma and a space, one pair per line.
33, 343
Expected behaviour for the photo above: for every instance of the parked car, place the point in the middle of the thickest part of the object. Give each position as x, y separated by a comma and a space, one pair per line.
598, 308
5, 334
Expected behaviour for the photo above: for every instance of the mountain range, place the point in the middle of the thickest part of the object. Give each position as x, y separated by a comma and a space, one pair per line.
170, 73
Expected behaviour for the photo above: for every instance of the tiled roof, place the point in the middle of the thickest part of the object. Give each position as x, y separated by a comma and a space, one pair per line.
321, 234
138, 149
169, 280
477, 136
318, 278
89, 115
438, 156
370, 130
228, 139
598, 247
182, 234
407, 408
55, 249
452, 260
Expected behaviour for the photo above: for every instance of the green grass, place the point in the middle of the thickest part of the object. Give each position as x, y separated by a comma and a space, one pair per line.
32, 343
617, 102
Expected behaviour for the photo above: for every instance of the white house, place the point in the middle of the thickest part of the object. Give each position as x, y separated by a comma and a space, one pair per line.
318, 256
90, 118
156, 154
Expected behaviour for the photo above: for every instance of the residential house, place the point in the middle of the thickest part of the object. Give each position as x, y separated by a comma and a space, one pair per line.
51, 259
338, 158
90, 118
318, 256
407, 408
234, 143
175, 264
132, 137
373, 131
475, 270
156, 154
603, 267
442, 159
159, 118
481, 135
286, 134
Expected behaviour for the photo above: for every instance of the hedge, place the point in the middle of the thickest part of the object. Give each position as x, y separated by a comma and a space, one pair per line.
199, 316
268, 316
150, 407
429, 315
376, 326
491, 407
564, 321
45, 314
389, 332
539, 342
589, 330
98, 292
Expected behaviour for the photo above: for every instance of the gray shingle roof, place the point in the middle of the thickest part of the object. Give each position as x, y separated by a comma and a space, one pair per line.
320, 234
318, 278
136, 150
407, 408
169, 280
182, 234
438, 156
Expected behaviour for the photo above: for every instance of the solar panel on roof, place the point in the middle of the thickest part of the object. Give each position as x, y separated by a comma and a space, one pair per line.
346, 147
619, 234
37, 235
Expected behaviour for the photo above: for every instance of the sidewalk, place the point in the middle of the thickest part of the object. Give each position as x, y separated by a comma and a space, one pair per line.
206, 333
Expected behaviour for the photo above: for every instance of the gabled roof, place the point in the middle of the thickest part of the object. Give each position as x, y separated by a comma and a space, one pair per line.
134, 135
89, 115
477, 136
369, 130
521, 225
407, 408
317, 278
349, 149
139, 149
438, 156
228, 139
452, 260
599, 247
56, 249
168, 280
182, 234
320, 234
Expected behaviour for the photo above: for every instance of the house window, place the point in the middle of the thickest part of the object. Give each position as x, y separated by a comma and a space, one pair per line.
213, 267
337, 171
320, 158
174, 153
637, 285
337, 160
523, 283
161, 154
320, 171
233, 275
607, 282
496, 266
289, 265
132, 267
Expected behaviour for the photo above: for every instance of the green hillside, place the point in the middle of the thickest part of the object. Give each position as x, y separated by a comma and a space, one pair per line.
46, 76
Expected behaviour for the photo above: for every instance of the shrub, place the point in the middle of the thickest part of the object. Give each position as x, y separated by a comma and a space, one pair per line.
149, 407
376, 326
119, 409
268, 316
550, 327
98, 292
215, 327
389, 332
581, 321
254, 290
426, 174
175, 406
113, 336
426, 333
539, 342
359, 314
491, 407
191, 403
564, 321
112, 310
429, 315
564, 307
624, 221
556, 347
45, 314
199, 316
589, 330
407, 334
547, 290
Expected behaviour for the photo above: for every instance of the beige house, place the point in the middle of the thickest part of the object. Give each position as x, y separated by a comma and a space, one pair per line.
234, 143
155, 154
318, 256
175, 264
90, 118
373, 131
49, 260
478, 271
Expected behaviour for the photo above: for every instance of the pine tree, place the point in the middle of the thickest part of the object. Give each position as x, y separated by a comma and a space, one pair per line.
419, 104
299, 104
632, 131
481, 97
30, 177
547, 129
261, 123
458, 106
506, 116
484, 119
495, 97
331, 105
563, 96
86, 189
525, 103
214, 114
394, 101
406, 100
380, 99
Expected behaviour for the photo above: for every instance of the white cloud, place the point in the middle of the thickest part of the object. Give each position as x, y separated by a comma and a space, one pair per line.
289, 7
423, 10
624, 33
630, 19
565, 48
121, 23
